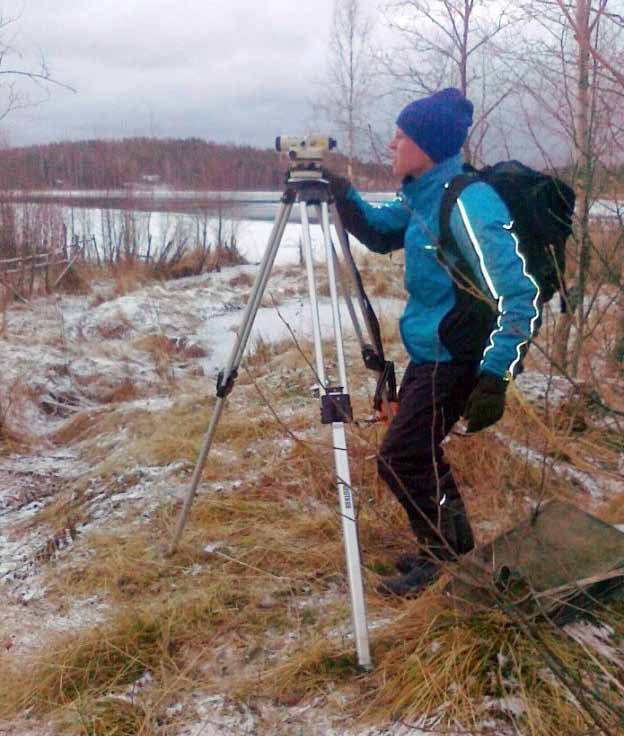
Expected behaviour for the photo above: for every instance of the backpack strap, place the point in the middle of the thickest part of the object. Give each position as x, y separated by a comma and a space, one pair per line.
447, 245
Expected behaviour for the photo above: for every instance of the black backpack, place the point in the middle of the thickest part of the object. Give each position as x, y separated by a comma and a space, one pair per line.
541, 207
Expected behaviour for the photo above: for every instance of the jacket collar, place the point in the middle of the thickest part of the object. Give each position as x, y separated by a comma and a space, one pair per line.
427, 187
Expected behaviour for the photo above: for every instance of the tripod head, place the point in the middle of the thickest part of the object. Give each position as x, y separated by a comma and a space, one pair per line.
305, 153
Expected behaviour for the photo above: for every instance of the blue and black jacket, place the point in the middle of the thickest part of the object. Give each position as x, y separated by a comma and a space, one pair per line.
490, 322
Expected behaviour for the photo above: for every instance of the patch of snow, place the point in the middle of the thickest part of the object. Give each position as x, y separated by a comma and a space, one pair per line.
218, 717
510, 704
598, 485
33, 622
537, 386
598, 637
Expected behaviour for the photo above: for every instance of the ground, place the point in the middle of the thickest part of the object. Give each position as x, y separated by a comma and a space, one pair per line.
245, 629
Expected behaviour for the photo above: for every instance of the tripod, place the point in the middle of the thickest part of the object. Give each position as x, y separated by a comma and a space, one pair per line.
309, 189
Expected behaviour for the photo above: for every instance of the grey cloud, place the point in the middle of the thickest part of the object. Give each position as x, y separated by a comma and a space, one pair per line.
240, 71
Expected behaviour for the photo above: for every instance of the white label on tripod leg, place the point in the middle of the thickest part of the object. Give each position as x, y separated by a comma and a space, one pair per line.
348, 498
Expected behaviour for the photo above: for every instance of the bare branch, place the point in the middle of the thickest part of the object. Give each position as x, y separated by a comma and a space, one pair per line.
36, 77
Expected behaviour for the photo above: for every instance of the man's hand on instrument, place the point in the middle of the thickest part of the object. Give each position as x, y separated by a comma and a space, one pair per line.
339, 185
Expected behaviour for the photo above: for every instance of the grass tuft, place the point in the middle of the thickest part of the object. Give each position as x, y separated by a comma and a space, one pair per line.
90, 664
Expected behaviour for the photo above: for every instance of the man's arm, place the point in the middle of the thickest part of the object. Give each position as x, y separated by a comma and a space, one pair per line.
381, 228
483, 230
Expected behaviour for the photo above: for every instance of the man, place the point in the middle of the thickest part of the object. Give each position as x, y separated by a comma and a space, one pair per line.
465, 340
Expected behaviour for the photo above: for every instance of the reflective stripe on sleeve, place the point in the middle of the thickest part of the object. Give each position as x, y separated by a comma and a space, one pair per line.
535, 317
490, 284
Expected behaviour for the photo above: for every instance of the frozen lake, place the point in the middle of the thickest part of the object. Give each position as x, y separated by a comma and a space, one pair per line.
157, 229
147, 221
180, 219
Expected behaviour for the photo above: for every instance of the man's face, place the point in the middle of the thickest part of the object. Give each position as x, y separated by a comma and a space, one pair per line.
407, 158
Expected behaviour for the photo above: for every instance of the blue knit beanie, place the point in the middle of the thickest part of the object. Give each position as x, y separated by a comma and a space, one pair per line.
438, 124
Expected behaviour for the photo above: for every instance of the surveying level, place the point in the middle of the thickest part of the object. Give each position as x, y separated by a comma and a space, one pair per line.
308, 147
306, 186
305, 152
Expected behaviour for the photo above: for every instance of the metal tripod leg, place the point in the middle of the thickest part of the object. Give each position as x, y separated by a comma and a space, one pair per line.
341, 459
342, 238
227, 377
346, 294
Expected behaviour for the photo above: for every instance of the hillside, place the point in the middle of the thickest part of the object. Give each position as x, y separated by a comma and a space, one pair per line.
186, 163
246, 629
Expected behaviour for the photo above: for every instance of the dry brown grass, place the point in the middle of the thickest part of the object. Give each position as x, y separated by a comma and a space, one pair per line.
90, 664
124, 390
613, 511
165, 352
254, 601
81, 278
445, 666
87, 424
439, 669
177, 433
275, 549
168, 610
131, 275
241, 280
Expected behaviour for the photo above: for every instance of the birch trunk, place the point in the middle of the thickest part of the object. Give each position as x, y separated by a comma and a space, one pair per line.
579, 260
583, 129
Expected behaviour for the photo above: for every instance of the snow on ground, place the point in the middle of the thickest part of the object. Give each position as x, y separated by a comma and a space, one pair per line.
63, 357
219, 717
598, 488
67, 357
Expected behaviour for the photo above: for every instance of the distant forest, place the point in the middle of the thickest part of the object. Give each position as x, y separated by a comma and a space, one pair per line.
189, 163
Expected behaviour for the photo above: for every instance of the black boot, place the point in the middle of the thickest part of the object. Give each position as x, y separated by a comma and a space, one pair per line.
407, 562
412, 583
453, 539
439, 506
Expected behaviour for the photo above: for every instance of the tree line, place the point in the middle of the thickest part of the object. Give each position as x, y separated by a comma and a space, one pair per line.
190, 163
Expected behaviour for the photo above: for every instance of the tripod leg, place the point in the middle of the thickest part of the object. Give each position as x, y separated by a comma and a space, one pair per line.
349, 304
226, 379
316, 322
341, 459
346, 295
342, 238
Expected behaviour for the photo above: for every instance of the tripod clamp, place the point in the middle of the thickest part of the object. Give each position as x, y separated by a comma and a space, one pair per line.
311, 189
224, 387
336, 406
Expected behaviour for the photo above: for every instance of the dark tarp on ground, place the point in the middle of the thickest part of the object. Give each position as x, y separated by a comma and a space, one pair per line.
555, 563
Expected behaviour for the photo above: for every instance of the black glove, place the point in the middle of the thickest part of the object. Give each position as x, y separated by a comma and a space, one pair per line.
339, 185
486, 403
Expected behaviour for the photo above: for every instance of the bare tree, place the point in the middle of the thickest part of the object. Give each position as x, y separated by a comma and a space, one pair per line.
608, 63
346, 92
451, 42
577, 102
20, 85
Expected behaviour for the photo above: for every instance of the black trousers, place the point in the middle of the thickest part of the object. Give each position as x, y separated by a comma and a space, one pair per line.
411, 460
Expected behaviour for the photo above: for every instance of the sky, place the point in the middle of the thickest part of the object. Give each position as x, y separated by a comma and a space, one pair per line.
238, 71
231, 71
